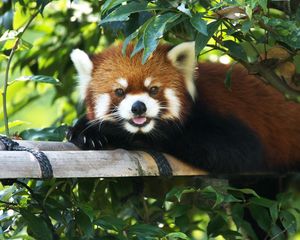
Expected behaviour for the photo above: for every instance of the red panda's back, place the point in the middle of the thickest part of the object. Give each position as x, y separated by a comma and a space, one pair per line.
275, 120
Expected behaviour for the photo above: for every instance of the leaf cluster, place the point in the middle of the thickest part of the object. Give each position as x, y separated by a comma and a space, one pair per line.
244, 30
123, 209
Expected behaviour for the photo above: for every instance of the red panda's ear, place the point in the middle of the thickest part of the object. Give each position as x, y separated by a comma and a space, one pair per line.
84, 67
183, 57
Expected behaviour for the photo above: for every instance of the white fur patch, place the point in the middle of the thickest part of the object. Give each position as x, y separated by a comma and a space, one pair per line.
187, 65
125, 106
148, 127
102, 105
131, 128
174, 104
123, 82
147, 82
84, 67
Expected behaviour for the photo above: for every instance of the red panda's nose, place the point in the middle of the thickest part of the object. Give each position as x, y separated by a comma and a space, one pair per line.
138, 108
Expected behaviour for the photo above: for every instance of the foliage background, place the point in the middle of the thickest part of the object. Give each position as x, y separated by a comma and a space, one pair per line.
263, 36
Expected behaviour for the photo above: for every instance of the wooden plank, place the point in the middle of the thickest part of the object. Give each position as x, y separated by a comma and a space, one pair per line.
68, 161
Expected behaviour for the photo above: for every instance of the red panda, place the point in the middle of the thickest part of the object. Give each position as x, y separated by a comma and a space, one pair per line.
174, 105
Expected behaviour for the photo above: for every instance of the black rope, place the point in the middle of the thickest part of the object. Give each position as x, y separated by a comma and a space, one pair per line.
162, 163
43, 160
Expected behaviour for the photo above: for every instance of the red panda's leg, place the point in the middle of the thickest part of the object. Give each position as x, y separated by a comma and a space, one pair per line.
89, 135
86, 135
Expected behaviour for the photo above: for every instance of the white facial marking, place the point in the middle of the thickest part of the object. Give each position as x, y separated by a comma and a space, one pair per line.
130, 128
125, 106
84, 67
147, 82
123, 82
148, 127
174, 103
102, 105
187, 65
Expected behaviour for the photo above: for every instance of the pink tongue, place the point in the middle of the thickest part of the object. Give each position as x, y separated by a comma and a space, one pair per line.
139, 120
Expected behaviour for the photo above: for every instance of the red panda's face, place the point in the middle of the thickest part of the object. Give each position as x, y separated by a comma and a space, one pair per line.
121, 89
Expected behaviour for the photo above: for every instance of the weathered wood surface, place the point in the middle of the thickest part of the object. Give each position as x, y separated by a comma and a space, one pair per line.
68, 161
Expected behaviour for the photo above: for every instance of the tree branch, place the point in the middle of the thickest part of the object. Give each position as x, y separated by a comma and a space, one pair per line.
273, 79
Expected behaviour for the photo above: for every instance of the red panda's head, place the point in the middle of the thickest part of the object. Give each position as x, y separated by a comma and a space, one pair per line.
120, 88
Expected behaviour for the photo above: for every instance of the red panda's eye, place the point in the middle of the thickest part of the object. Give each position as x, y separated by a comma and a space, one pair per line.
153, 90
119, 92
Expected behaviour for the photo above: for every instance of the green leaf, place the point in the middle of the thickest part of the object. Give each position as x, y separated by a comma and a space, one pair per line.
211, 193
288, 221
25, 45
84, 223
244, 190
264, 202
7, 193
274, 212
37, 225
237, 211
277, 233
201, 39
198, 23
178, 192
263, 4
216, 225
246, 26
178, 210
261, 215
177, 235
235, 50
39, 78
267, 203
247, 227
50, 134
248, 11
145, 230
122, 12
155, 30
110, 4
128, 39
87, 209
110, 223
138, 47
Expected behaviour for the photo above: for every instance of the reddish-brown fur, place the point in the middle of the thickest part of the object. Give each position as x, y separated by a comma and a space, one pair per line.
275, 120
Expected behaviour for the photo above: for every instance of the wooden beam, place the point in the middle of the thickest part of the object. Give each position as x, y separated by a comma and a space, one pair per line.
68, 161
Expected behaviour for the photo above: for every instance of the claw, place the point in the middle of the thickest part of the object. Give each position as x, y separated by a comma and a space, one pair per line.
93, 144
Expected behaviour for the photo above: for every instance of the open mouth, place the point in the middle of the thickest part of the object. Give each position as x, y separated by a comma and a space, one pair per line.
139, 121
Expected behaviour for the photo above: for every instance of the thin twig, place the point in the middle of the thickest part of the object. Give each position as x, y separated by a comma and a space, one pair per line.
5, 85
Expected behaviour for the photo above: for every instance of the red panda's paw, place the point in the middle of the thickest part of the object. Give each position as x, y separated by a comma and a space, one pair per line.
86, 136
